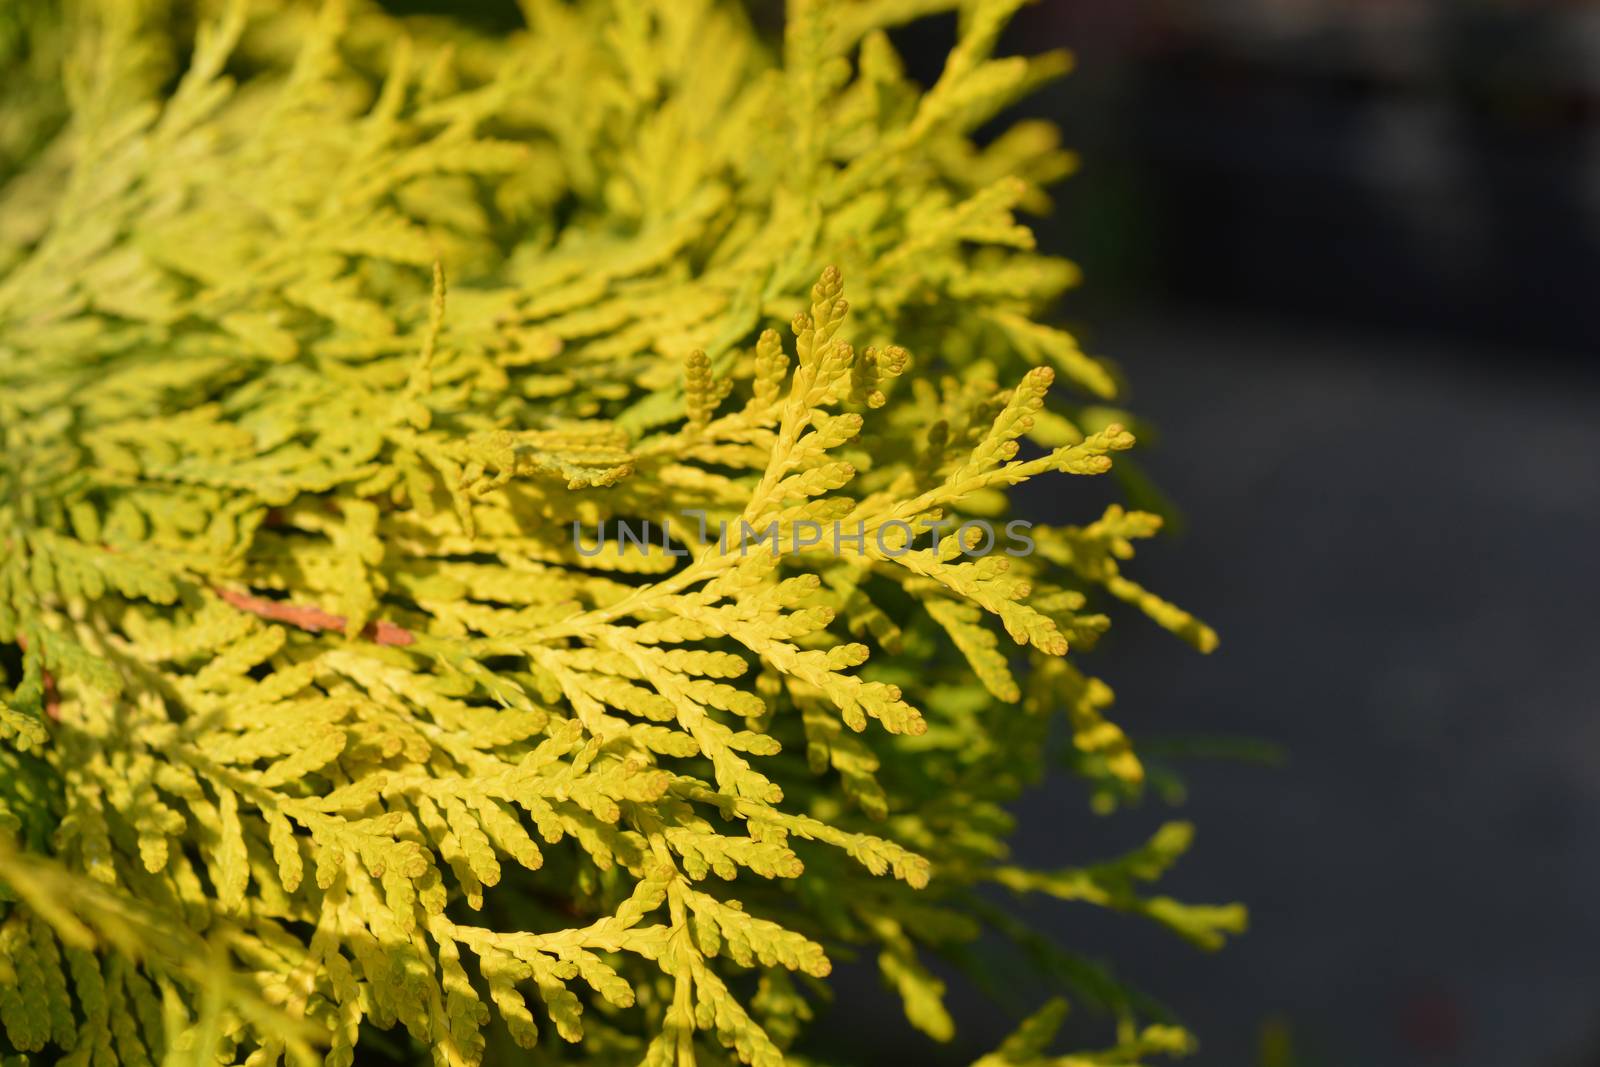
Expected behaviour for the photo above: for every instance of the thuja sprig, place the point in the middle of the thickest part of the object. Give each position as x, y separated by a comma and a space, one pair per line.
315, 720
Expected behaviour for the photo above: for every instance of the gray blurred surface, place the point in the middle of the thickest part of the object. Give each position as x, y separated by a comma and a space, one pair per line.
1398, 547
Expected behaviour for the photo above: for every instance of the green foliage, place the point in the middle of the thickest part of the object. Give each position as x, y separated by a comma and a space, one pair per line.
320, 720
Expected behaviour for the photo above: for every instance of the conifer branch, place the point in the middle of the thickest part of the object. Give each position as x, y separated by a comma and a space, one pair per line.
334, 698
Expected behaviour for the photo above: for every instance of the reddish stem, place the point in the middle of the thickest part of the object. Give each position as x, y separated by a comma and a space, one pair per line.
312, 619
52, 695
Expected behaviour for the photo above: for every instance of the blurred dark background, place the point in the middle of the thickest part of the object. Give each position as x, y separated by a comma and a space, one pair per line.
1348, 254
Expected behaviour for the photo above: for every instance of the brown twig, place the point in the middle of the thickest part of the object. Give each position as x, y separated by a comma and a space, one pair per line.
312, 619
52, 695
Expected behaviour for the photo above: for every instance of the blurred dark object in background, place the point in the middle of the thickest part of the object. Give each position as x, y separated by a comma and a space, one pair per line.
1428, 165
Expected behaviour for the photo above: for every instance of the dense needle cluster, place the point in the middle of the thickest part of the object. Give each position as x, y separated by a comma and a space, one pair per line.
329, 351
